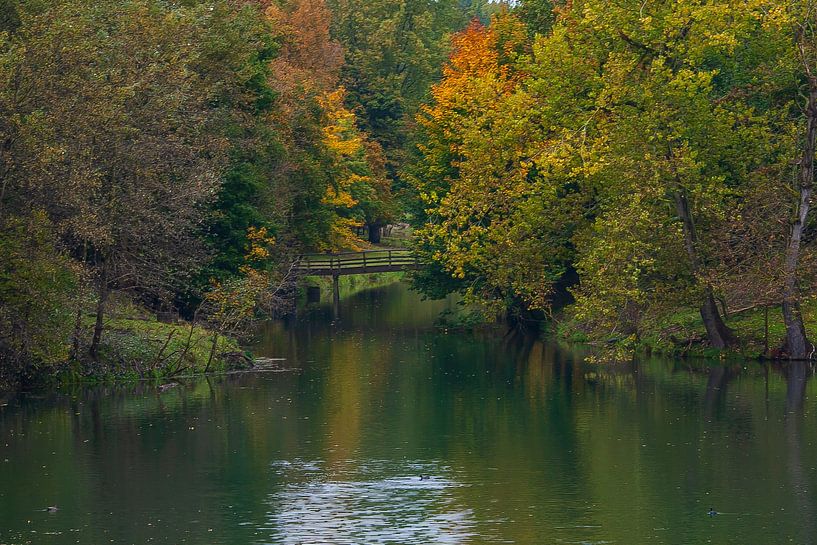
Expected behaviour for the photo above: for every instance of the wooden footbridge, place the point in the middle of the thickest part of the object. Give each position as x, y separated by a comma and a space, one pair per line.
365, 262
342, 264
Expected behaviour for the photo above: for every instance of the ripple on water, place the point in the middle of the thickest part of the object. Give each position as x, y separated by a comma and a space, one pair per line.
375, 503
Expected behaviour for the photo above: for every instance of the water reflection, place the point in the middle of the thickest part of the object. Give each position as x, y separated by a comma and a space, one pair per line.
797, 375
369, 506
523, 442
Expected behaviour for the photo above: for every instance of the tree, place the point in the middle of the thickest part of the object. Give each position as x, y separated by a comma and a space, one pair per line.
393, 52
121, 153
626, 140
481, 10
538, 15
9, 16
38, 288
497, 192
676, 142
342, 169
360, 191
310, 56
376, 203
803, 19
240, 49
10, 122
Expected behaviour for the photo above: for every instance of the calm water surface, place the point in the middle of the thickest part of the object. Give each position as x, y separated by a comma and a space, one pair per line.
515, 443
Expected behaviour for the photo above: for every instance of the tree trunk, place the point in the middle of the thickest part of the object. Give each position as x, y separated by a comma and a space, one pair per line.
375, 232
719, 335
797, 345
212, 352
102, 297
76, 341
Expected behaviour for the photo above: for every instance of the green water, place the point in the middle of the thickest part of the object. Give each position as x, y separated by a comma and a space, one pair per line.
519, 443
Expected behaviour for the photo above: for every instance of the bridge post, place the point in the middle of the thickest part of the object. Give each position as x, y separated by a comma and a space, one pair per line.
336, 295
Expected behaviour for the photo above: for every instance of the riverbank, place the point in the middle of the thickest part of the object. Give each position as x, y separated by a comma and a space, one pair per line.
136, 345
136, 348
760, 331
680, 333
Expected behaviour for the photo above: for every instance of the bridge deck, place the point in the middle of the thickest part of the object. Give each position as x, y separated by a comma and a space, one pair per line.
365, 262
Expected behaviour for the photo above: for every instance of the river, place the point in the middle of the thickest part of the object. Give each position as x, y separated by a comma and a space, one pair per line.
386, 430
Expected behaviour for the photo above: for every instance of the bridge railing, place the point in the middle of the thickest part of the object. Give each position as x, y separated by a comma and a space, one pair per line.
356, 262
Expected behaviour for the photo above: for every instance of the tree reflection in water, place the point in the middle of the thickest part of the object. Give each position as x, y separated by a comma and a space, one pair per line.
797, 374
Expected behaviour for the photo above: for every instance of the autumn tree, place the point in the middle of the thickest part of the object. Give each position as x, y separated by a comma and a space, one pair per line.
342, 169
393, 52
121, 153
310, 56
670, 157
494, 222
303, 77
635, 131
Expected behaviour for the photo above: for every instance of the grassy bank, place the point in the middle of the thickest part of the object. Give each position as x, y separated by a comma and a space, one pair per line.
138, 348
683, 333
